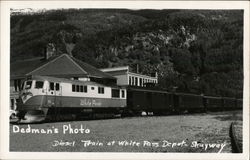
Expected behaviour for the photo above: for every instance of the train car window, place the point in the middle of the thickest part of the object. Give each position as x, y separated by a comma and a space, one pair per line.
136, 81
39, 84
28, 84
51, 86
85, 89
77, 88
116, 93
81, 88
123, 94
57, 87
101, 90
73, 88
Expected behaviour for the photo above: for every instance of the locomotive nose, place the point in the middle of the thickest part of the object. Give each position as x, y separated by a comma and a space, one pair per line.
25, 96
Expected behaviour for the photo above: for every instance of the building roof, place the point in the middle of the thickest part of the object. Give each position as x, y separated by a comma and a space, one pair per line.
57, 66
122, 68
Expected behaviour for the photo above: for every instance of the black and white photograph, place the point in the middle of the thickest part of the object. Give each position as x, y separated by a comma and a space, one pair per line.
126, 79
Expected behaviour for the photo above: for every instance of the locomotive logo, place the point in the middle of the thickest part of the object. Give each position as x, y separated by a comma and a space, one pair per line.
90, 102
26, 95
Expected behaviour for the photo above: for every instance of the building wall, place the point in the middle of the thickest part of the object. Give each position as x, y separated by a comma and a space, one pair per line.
140, 80
134, 79
122, 79
114, 73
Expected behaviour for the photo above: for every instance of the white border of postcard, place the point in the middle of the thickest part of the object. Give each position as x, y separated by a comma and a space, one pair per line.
5, 52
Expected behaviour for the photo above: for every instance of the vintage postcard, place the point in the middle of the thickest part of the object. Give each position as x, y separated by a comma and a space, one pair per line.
124, 80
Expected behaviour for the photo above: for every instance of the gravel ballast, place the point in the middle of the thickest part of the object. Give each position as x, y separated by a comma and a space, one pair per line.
204, 132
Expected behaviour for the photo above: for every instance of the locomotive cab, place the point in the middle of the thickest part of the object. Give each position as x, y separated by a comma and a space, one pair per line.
32, 88
31, 101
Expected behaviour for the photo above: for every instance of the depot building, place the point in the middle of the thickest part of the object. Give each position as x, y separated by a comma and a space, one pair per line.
128, 78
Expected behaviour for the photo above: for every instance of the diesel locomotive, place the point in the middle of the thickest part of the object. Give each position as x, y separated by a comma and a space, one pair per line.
49, 98
45, 97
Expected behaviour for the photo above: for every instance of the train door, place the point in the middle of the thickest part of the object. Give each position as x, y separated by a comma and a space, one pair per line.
55, 92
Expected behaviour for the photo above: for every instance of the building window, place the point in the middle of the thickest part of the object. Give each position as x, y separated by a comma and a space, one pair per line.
22, 87
123, 94
12, 104
116, 93
39, 84
101, 90
17, 85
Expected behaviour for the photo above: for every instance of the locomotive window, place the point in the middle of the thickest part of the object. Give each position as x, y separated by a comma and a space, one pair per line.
92, 88
39, 84
51, 86
101, 90
77, 88
85, 89
57, 86
116, 93
28, 84
123, 94
73, 88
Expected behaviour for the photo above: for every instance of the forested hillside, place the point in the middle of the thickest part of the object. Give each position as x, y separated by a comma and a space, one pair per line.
195, 51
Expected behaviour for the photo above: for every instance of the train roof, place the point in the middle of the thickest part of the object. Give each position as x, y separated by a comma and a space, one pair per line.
60, 80
147, 89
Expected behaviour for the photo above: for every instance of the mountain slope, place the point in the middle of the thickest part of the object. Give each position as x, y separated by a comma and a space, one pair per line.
198, 51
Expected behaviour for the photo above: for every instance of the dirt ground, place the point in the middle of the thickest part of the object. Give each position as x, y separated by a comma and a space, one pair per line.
205, 132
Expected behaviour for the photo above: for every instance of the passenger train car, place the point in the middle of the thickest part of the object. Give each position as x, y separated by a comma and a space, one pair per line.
47, 97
